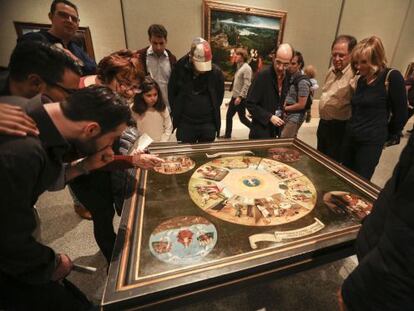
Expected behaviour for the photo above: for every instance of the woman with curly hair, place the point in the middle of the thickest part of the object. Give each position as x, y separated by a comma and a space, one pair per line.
100, 191
121, 71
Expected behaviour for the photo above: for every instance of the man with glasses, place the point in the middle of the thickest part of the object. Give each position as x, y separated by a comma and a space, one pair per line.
41, 73
335, 101
37, 68
267, 95
65, 22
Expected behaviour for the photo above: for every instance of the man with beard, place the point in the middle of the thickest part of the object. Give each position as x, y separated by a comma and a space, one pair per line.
267, 95
41, 73
88, 122
38, 68
65, 22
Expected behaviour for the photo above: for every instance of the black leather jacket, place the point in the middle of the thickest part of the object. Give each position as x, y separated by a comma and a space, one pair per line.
179, 87
384, 279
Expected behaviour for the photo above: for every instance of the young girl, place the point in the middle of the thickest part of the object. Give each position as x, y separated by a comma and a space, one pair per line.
150, 112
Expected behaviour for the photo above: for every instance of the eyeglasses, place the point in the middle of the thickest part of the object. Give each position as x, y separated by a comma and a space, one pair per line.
65, 89
340, 56
128, 85
280, 63
67, 16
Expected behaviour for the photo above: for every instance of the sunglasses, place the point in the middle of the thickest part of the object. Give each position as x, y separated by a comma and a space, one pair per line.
67, 16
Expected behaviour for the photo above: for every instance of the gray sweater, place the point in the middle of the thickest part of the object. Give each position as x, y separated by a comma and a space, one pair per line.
242, 81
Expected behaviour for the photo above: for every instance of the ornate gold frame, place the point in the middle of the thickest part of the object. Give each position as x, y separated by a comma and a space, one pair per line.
236, 9
125, 289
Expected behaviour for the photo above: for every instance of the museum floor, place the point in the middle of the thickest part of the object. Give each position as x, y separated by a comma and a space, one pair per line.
314, 289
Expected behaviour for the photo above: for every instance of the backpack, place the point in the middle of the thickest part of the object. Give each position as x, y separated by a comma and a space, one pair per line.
295, 82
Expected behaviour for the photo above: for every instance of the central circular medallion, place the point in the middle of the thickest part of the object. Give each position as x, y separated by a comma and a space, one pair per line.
251, 181
252, 191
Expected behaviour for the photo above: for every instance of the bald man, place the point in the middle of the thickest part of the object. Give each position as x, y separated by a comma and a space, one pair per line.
267, 95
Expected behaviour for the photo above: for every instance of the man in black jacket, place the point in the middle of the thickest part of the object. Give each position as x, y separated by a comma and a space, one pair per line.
267, 95
384, 278
196, 90
88, 122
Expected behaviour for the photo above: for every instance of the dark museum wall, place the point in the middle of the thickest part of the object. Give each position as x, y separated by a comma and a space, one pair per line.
310, 25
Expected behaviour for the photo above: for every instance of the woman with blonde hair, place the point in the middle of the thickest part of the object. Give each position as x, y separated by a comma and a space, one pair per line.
379, 108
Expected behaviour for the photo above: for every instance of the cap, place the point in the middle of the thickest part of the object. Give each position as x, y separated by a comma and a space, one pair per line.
201, 54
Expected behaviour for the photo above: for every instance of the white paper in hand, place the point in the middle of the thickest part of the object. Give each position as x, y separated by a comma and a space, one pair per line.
141, 143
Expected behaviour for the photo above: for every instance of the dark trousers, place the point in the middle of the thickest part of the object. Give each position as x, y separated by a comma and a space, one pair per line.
94, 191
410, 114
330, 136
53, 296
231, 111
196, 133
259, 131
361, 157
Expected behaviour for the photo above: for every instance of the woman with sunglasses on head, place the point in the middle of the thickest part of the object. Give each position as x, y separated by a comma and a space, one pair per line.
101, 190
379, 108
120, 71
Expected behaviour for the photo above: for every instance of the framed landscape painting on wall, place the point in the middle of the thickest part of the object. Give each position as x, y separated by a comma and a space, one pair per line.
228, 27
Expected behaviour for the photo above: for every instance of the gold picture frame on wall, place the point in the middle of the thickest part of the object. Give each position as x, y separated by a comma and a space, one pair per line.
229, 26
83, 35
410, 71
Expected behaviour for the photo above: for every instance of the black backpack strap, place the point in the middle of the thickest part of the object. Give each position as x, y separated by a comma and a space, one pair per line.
387, 86
387, 79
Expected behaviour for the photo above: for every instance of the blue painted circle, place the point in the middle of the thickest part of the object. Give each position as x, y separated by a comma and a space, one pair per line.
251, 182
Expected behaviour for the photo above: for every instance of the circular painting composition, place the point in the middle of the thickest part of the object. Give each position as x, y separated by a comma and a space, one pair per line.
175, 165
183, 240
284, 154
252, 191
341, 202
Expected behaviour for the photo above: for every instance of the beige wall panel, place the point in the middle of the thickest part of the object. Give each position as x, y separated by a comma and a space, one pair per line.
383, 18
182, 18
310, 25
404, 53
104, 18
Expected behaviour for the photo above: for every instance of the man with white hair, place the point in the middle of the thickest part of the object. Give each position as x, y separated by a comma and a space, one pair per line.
267, 95
195, 91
